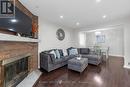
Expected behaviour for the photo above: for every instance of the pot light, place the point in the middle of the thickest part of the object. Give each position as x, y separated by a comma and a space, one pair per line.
104, 16
61, 16
77, 23
98, 1
14, 20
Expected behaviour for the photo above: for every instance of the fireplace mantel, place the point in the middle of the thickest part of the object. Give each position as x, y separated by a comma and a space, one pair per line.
7, 37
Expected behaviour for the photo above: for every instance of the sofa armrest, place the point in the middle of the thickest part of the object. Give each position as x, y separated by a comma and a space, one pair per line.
46, 58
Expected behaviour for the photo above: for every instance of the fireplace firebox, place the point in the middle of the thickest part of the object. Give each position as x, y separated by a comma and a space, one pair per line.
15, 70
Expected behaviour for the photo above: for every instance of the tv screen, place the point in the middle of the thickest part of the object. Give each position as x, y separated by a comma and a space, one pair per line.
21, 23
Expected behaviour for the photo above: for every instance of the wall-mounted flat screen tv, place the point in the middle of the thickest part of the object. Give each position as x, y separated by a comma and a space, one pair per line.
20, 24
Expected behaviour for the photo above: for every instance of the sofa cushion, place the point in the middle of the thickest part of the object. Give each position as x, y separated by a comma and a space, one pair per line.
57, 61
84, 50
53, 52
65, 52
73, 52
57, 54
61, 52
72, 56
92, 57
69, 50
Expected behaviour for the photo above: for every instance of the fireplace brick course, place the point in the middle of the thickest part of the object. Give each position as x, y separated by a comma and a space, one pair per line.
14, 49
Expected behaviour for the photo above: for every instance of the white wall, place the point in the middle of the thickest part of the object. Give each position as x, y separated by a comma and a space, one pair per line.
114, 39
126, 26
127, 44
48, 40
47, 36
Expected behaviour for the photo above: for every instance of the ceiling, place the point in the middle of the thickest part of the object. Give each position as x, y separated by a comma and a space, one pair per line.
86, 12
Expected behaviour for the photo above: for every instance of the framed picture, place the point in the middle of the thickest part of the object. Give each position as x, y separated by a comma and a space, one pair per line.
100, 38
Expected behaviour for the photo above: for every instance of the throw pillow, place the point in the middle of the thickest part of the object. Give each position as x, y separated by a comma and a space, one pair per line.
53, 52
65, 52
84, 50
61, 52
73, 52
57, 54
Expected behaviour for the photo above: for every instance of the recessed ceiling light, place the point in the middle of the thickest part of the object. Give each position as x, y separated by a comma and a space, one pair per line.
77, 23
61, 16
104, 16
98, 1
13, 20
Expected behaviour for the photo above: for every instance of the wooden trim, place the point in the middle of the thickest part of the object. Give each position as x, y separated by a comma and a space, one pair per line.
21, 7
1, 75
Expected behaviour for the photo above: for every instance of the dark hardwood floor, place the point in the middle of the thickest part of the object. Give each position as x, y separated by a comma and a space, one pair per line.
109, 74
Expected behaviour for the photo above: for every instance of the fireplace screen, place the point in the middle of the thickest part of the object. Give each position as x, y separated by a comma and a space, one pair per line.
15, 72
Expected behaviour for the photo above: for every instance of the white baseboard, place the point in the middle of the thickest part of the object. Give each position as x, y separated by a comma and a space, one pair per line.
116, 55
127, 66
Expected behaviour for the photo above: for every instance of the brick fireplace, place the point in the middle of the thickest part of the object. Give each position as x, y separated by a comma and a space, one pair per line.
17, 60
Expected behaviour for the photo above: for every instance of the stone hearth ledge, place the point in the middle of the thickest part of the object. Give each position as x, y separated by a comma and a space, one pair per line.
30, 80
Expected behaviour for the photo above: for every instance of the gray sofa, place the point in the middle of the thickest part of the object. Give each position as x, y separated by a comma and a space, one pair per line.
49, 63
94, 57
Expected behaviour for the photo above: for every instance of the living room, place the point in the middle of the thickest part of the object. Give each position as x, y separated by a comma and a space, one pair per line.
64, 43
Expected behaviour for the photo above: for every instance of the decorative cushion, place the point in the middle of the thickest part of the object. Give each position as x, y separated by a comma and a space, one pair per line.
61, 52
84, 50
65, 52
53, 52
73, 52
57, 54
69, 50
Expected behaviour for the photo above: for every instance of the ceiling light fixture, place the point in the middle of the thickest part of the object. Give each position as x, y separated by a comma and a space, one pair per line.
104, 16
98, 1
13, 20
61, 16
77, 23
